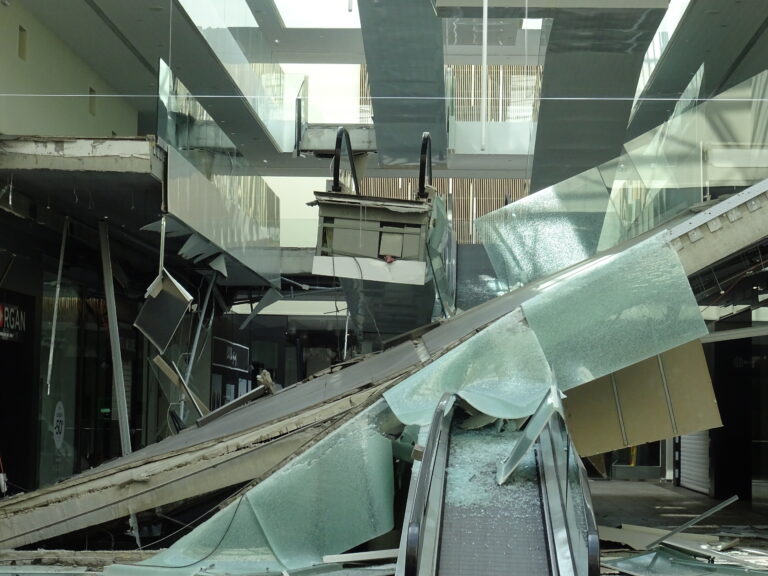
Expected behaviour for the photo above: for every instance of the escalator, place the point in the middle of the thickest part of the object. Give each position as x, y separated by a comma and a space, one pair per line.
463, 522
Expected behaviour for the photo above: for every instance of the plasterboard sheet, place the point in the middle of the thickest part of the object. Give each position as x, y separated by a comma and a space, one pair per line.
686, 370
547, 231
336, 495
609, 313
639, 537
629, 407
643, 401
593, 420
501, 371
397, 272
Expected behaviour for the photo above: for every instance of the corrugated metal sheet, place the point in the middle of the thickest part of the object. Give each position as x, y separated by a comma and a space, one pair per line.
694, 461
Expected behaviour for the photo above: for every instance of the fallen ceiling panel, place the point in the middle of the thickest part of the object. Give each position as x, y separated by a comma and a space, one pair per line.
221, 452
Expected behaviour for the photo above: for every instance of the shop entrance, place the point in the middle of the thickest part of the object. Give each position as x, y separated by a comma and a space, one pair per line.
18, 391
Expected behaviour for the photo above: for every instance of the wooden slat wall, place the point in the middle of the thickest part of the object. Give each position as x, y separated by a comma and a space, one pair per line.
366, 104
472, 197
513, 92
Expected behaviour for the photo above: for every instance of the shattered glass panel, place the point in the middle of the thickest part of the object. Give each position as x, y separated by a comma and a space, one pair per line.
666, 562
334, 496
501, 372
531, 433
441, 251
614, 311
547, 231
338, 496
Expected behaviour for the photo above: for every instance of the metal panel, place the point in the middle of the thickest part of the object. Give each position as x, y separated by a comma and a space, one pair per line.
694, 461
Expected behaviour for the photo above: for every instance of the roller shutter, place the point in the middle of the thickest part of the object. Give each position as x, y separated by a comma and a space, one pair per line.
694, 461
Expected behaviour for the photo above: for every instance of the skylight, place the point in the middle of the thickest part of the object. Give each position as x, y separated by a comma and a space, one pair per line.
220, 13
319, 13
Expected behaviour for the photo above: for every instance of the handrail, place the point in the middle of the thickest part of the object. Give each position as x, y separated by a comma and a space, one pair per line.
560, 501
425, 164
301, 99
441, 421
342, 136
593, 537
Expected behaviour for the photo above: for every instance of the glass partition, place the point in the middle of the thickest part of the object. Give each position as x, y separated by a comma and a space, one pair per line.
233, 34
511, 79
705, 150
210, 187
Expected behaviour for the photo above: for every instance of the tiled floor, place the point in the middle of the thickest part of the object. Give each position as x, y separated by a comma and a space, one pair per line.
662, 505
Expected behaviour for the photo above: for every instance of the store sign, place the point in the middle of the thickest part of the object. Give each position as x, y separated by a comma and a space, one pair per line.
13, 322
58, 425
230, 355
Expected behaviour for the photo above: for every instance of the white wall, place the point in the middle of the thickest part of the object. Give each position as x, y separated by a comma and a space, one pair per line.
51, 68
298, 222
334, 91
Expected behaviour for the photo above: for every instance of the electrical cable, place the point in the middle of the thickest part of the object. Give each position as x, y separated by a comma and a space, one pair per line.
193, 521
215, 548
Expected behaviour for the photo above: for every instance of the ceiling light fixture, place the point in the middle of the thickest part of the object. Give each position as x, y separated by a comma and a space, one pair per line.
532, 23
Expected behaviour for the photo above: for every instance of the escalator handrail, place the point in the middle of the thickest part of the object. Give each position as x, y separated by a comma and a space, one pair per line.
438, 433
557, 425
425, 165
593, 537
342, 137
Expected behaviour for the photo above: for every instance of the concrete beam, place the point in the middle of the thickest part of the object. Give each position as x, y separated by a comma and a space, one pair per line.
124, 155
93, 499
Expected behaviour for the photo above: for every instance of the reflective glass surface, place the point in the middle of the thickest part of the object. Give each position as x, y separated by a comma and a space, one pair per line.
237, 212
613, 311
546, 231
501, 371
332, 497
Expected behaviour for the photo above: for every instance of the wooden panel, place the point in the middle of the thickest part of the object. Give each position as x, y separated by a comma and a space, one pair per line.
513, 92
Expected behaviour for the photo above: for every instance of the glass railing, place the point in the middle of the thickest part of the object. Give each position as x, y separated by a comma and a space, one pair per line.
211, 187
248, 59
706, 150
512, 108
333, 94
511, 79
660, 41
572, 498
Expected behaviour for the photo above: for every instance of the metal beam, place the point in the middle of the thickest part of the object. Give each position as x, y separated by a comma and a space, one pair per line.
114, 340
52, 345
737, 334
196, 340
